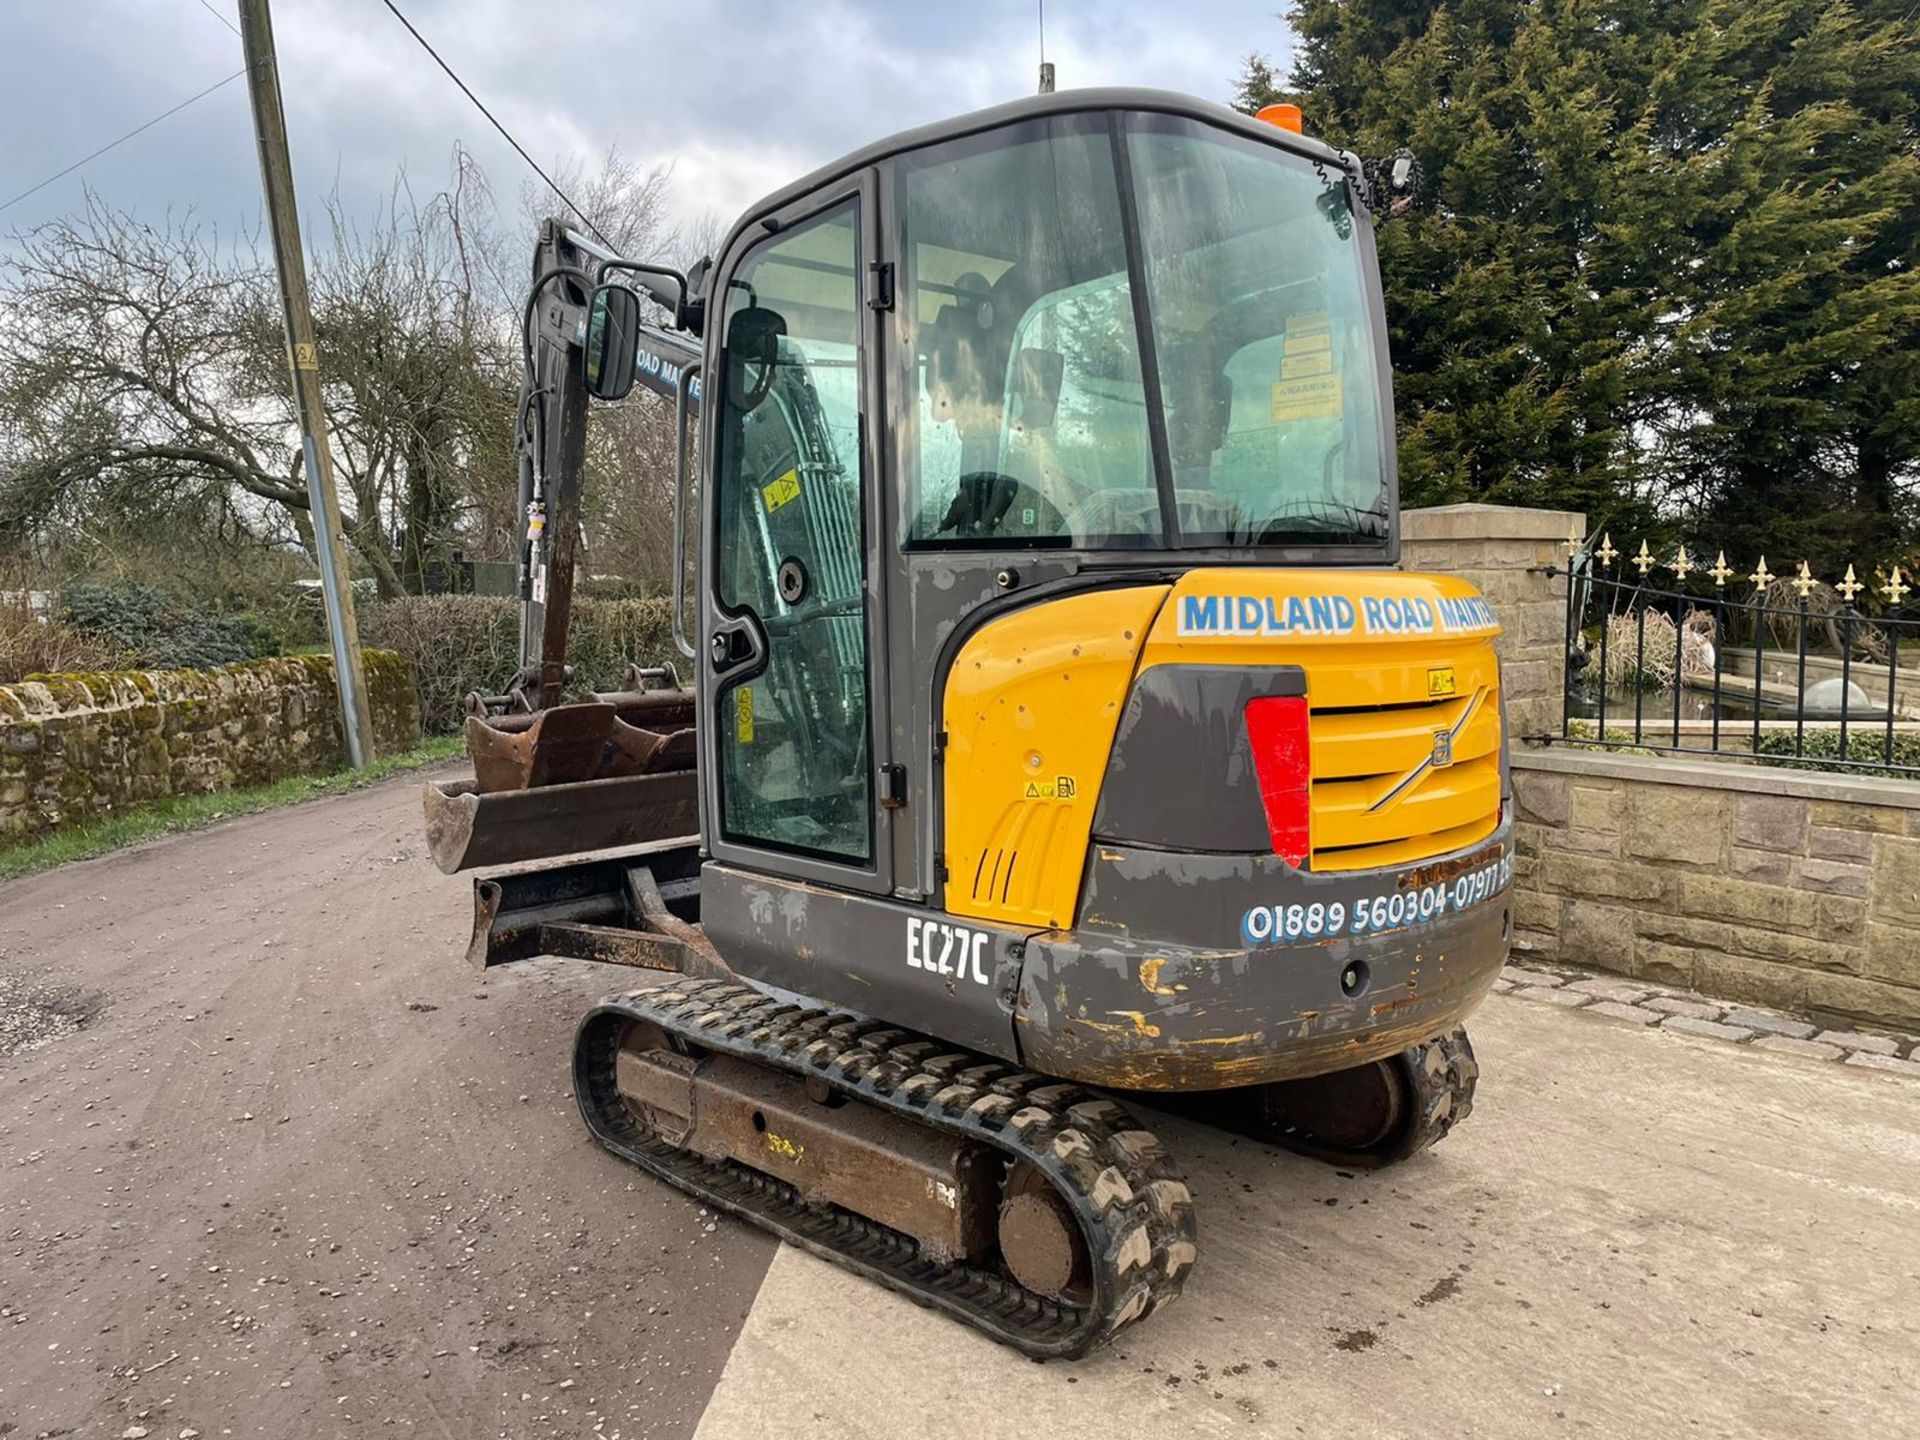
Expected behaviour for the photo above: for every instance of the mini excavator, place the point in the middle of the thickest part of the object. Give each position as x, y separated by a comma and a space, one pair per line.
1058, 733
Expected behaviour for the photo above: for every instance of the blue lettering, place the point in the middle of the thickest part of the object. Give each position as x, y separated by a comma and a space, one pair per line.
1275, 625
1199, 614
1297, 614
1376, 614
1323, 613
1250, 615
1423, 613
1343, 612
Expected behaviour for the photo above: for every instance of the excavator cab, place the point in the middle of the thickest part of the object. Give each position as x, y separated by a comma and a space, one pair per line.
1063, 715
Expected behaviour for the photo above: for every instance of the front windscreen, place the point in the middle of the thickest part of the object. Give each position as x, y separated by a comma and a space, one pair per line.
1261, 326
1033, 396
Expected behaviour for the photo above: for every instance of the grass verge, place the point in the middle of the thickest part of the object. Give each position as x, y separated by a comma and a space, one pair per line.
195, 812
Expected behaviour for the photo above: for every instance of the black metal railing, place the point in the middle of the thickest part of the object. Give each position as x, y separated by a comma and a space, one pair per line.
1677, 655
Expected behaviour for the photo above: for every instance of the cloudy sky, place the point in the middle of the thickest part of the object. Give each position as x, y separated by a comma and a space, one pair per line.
739, 95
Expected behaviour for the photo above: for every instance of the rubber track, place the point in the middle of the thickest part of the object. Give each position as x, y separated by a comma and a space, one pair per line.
1441, 1074
1134, 1209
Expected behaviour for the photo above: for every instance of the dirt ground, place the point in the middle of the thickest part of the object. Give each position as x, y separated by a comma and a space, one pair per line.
302, 1172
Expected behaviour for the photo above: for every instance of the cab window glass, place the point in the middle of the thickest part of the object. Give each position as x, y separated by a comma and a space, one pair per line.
1031, 413
1264, 340
793, 741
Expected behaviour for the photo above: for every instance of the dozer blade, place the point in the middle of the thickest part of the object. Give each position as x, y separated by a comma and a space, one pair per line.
467, 829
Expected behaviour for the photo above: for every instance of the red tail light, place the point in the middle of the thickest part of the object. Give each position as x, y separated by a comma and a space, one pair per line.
1283, 761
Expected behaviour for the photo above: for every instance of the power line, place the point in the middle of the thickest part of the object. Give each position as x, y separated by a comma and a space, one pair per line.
111, 144
496, 124
218, 16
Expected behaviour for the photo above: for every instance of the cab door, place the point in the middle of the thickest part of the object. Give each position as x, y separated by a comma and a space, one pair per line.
791, 701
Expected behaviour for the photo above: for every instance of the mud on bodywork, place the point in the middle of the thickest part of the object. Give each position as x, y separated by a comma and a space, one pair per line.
1111, 1004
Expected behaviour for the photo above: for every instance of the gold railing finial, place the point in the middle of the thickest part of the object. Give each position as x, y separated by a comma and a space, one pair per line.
1804, 582
1684, 564
1606, 554
1761, 577
1574, 540
1644, 561
1721, 571
1896, 589
1849, 587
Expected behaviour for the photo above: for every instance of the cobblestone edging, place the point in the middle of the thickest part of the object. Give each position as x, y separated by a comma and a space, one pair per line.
1633, 1002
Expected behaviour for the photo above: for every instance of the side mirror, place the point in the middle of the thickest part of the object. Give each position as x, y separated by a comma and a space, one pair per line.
1395, 182
613, 339
753, 355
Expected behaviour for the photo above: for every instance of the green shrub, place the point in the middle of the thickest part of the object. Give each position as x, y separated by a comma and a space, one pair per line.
1865, 742
462, 643
154, 632
1820, 748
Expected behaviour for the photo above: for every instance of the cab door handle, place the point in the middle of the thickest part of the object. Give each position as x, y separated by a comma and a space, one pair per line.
738, 642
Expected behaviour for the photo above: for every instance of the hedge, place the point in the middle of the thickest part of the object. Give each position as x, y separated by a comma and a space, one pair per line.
1820, 747
155, 631
461, 643
1866, 742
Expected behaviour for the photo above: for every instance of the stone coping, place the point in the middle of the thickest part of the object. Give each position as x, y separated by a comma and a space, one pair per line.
1487, 522
1721, 775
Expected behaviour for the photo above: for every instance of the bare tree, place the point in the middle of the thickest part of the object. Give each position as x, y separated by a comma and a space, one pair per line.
144, 386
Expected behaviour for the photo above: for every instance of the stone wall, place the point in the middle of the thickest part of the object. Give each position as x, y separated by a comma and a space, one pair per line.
78, 748
1505, 552
1777, 887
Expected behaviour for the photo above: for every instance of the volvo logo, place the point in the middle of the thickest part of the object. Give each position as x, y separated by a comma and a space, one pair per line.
1442, 748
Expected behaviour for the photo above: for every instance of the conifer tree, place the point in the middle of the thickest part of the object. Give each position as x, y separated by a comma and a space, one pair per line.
1669, 261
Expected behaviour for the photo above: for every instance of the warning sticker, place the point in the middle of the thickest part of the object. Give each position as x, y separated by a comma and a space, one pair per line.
1314, 362
780, 492
1314, 397
1304, 343
1440, 681
743, 715
1061, 787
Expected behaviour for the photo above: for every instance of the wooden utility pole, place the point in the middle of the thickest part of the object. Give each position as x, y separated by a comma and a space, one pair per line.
276, 183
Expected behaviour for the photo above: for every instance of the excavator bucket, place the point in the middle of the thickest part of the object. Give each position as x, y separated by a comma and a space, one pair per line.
614, 771
557, 747
469, 830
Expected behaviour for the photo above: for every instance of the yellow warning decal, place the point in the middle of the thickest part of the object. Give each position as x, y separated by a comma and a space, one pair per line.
1314, 362
1303, 343
780, 492
1061, 787
743, 714
780, 1145
1313, 397
1440, 681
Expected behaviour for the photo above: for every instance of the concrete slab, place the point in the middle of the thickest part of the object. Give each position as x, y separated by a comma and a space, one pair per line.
1632, 1236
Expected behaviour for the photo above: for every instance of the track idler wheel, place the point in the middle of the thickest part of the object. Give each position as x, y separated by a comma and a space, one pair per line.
1040, 1240
1371, 1115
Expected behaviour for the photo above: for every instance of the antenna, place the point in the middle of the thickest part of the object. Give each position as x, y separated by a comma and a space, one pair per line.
1046, 66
